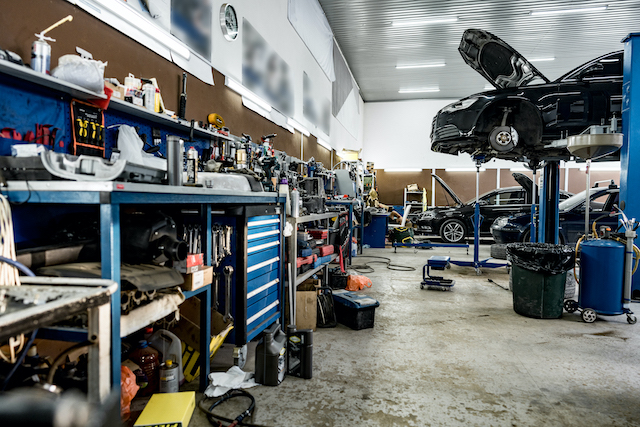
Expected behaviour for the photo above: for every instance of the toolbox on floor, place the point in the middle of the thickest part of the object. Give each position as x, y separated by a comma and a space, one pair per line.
337, 279
354, 310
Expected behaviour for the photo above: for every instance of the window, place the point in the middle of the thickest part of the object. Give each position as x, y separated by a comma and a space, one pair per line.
611, 66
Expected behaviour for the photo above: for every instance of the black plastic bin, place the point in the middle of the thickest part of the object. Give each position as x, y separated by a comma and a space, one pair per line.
355, 310
538, 277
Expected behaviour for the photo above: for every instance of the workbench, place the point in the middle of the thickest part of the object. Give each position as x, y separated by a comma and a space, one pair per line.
109, 197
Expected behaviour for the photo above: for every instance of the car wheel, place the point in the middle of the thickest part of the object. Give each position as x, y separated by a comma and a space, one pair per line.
526, 236
503, 138
499, 251
453, 231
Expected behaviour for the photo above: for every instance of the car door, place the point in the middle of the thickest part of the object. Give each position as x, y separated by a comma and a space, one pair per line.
502, 202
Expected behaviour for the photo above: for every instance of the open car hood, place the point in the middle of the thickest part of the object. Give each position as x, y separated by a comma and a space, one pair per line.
524, 181
496, 61
453, 195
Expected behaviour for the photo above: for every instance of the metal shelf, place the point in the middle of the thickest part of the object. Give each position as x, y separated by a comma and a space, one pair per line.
311, 218
28, 75
305, 276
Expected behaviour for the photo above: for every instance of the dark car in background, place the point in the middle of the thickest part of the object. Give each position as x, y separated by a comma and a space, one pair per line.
527, 113
454, 223
516, 228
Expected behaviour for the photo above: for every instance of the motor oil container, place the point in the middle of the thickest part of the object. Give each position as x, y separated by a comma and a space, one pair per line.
170, 348
148, 359
169, 377
299, 352
271, 356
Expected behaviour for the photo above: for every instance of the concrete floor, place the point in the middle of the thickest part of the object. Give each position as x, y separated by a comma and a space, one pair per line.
459, 358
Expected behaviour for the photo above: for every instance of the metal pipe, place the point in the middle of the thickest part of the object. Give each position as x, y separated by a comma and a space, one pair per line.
175, 152
587, 202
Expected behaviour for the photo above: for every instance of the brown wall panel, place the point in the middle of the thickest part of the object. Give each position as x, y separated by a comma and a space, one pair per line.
578, 179
19, 21
317, 151
391, 185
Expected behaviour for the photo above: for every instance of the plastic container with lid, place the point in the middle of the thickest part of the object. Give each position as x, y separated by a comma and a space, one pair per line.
148, 360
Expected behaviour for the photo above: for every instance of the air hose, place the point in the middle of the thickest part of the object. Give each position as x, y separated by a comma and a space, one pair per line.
217, 420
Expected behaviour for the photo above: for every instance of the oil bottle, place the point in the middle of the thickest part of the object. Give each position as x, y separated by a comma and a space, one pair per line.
271, 356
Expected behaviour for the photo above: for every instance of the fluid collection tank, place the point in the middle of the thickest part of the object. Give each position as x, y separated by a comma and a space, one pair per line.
601, 276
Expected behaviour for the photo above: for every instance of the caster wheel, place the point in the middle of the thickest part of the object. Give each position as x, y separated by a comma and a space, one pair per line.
448, 265
240, 356
478, 272
508, 269
631, 319
589, 315
570, 306
421, 286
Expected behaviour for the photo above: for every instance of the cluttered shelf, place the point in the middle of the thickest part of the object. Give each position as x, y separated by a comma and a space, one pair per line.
301, 278
311, 218
44, 80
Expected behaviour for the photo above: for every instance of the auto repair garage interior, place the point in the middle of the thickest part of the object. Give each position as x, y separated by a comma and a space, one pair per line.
319, 213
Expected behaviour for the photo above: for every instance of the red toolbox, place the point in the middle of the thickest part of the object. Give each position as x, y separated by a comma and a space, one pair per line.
300, 261
318, 233
326, 250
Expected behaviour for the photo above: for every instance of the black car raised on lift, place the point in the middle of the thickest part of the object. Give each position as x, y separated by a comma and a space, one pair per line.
527, 114
454, 223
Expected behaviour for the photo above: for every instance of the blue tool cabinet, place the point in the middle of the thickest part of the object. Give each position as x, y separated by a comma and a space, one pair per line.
30, 98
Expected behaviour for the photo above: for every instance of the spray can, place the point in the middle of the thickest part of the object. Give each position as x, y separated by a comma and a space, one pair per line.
295, 203
192, 165
169, 382
41, 56
149, 94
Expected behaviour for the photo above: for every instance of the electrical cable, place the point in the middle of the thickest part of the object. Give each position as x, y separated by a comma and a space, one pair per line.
8, 274
19, 360
366, 268
62, 356
217, 419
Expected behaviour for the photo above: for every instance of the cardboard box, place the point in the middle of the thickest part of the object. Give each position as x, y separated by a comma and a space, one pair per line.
118, 91
191, 264
168, 409
199, 278
306, 310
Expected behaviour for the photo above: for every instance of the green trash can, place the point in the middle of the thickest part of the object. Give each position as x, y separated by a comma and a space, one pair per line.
538, 277
537, 294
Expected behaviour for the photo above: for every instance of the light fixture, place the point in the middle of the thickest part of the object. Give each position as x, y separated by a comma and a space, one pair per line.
420, 90
436, 64
324, 143
246, 93
303, 130
551, 58
414, 23
402, 170
482, 169
257, 108
519, 169
128, 14
563, 11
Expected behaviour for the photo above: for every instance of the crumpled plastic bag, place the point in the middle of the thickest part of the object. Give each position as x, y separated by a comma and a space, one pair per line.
356, 282
130, 146
84, 72
541, 257
222, 382
129, 388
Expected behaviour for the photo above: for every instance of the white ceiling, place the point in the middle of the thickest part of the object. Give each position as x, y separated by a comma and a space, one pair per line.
373, 47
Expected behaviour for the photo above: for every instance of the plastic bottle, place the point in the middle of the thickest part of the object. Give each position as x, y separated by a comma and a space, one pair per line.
149, 361
148, 331
170, 348
271, 355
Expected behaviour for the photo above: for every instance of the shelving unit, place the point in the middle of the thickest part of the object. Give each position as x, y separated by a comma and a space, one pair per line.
351, 204
292, 251
416, 205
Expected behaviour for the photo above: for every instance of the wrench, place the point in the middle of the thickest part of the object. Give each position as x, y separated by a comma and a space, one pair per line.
214, 249
215, 290
228, 271
227, 247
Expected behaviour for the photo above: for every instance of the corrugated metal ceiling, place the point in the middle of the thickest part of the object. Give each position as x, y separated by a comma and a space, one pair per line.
373, 47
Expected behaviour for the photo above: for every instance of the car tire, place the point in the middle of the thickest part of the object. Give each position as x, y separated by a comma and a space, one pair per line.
526, 236
503, 138
453, 231
499, 251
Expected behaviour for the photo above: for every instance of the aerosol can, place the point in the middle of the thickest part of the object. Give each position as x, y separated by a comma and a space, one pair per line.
41, 50
192, 166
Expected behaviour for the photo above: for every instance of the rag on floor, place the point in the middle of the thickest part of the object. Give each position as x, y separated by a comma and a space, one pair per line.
222, 382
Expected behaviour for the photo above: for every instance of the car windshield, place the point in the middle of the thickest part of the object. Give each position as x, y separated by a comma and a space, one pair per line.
577, 199
483, 197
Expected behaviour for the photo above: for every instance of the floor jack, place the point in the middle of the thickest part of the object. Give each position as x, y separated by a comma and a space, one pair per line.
436, 283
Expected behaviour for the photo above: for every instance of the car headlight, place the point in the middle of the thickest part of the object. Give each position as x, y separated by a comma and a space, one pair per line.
500, 222
427, 215
460, 105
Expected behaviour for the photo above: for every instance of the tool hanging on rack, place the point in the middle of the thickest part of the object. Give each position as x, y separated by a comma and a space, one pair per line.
221, 243
192, 235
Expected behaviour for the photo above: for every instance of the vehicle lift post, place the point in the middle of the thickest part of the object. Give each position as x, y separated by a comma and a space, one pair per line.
630, 151
477, 220
549, 210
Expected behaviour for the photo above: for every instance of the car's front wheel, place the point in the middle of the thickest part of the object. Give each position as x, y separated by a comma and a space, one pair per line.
453, 231
503, 138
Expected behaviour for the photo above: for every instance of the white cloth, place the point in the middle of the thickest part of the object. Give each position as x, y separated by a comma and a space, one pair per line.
222, 382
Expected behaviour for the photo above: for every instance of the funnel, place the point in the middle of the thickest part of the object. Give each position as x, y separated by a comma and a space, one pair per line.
592, 146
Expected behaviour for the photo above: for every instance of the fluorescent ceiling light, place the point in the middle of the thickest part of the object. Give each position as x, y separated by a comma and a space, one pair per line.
415, 23
246, 93
303, 130
255, 107
402, 170
404, 67
325, 144
519, 169
423, 90
482, 169
563, 11
140, 23
542, 59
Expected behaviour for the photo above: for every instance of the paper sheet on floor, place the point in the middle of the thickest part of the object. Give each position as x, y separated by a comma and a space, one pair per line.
222, 382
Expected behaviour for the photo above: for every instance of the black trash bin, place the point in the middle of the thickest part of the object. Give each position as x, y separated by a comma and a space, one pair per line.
538, 277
